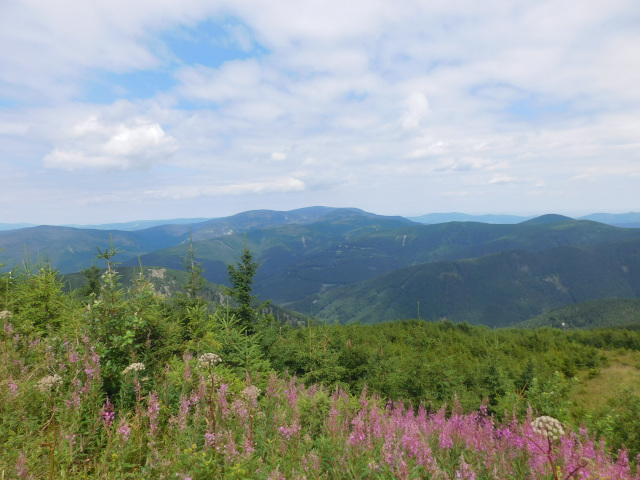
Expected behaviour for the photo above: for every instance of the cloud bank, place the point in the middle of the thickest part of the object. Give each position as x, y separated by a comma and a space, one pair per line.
199, 109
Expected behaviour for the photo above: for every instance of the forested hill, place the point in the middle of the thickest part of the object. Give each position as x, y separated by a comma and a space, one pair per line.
297, 261
498, 289
351, 265
608, 312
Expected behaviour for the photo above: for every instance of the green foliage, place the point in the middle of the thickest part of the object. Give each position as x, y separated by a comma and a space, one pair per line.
500, 289
93, 285
609, 312
35, 299
196, 281
435, 363
241, 278
426, 363
127, 326
618, 421
242, 353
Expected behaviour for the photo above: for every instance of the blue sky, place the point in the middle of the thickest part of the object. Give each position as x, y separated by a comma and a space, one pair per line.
116, 111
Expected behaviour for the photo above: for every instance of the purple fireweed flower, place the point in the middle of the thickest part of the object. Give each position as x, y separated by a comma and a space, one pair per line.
292, 391
239, 409
13, 386
222, 399
249, 447
311, 462
71, 438
124, 430
8, 329
358, 433
181, 420
465, 471
209, 439
272, 386
22, 467
107, 413
95, 358
289, 431
74, 401
228, 447
276, 475
153, 409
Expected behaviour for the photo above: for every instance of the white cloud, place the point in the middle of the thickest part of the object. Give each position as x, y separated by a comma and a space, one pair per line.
426, 97
279, 185
502, 179
417, 107
278, 156
96, 144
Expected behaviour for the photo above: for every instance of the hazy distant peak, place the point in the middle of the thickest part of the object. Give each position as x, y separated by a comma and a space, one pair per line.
548, 218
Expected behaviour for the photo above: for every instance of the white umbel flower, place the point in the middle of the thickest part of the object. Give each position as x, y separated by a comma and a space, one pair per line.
208, 360
48, 383
548, 427
134, 367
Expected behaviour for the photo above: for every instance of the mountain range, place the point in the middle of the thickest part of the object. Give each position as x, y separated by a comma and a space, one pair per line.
345, 265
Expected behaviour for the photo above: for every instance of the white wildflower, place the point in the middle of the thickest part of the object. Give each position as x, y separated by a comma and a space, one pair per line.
548, 427
48, 383
207, 360
251, 393
134, 367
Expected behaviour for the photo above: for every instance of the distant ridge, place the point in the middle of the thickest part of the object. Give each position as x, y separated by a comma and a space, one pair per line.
141, 224
622, 220
433, 218
14, 226
548, 219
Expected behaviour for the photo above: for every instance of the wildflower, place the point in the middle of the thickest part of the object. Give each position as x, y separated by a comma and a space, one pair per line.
153, 410
208, 360
548, 427
48, 383
134, 367
124, 430
22, 467
107, 413
74, 401
209, 439
5, 315
251, 393
8, 329
13, 386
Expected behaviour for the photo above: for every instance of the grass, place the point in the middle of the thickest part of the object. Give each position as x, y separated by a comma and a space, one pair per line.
596, 388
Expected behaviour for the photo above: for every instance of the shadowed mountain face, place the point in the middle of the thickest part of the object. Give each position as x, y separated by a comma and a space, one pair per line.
353, 265
497, 290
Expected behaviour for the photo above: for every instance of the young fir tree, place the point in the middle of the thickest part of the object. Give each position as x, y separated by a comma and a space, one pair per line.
196, 280
191, 309
241, 278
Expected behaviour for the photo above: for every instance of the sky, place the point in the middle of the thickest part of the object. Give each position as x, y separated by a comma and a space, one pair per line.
113, 111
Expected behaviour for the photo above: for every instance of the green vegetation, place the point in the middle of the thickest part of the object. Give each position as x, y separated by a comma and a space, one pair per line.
610, 312
110, 381
135, 371
499, 289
